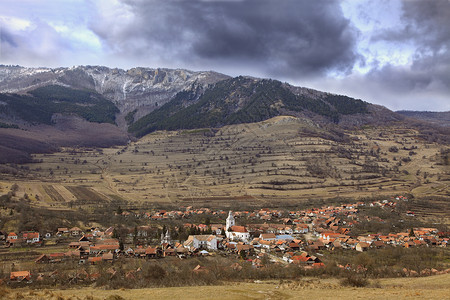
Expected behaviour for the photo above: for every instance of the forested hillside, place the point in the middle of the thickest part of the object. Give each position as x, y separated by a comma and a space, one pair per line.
42, 103
241, 100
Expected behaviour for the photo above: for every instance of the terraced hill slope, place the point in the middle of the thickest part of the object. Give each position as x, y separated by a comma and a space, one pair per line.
281, 160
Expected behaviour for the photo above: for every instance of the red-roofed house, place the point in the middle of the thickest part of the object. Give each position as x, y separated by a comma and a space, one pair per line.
20, 276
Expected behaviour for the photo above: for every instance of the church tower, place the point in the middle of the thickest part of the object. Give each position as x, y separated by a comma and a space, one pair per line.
230, 221
166, 239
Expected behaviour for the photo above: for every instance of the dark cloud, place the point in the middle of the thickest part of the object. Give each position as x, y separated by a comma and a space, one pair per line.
289, 37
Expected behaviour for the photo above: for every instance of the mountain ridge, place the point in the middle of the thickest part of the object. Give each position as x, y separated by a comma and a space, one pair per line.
141, 88
108, 102
243, 100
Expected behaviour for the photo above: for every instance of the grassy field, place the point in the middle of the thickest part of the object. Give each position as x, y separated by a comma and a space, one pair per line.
283, 160
434, 287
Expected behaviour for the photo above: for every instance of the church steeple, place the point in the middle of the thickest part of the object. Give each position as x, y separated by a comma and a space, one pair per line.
166, 239
230, 221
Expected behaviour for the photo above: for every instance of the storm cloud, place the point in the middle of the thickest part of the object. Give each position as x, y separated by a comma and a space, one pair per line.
292, 37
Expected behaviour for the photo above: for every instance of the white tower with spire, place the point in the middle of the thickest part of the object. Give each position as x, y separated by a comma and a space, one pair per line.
166, 239
230, 221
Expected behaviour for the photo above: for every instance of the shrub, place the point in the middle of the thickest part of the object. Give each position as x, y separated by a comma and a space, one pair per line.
354, 280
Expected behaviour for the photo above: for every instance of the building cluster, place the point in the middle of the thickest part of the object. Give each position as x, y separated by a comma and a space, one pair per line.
286, 237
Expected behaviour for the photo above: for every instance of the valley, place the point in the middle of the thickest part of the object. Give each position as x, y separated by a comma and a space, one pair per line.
122, 179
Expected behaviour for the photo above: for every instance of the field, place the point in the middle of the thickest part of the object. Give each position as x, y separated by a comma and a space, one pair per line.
284, 160
434, 287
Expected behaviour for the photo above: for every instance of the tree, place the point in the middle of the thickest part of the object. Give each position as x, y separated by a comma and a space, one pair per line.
119, 210
135, 234
411, 232
364, 261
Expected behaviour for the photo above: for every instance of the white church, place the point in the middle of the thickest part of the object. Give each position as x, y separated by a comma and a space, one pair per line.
235, 233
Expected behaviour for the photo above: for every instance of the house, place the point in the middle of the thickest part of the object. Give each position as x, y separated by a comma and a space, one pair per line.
301, 228
58, 257
243, 248
152, 252
108, 256
201, 242
182, 252
169, 252
299, 259
75, 231
101, 248
20, 276
236, 267
378, 244
94, 260
139, 252
31, 237
317, 245
362, 246
11, 236
265, 244
217, 228
267, 236
62, 230
43, 259
294, 246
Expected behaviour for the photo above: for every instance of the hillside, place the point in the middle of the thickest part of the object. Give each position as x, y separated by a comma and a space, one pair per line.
41, 104
280, 161
44, 109
242, 100
52, 116
148, 99
437, 118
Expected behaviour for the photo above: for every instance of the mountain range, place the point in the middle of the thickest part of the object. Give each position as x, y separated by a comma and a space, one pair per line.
42, 109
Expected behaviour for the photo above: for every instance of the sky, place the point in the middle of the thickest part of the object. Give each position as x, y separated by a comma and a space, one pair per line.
389, 52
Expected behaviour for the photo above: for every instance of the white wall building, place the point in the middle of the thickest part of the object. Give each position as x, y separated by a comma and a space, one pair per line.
201, 242
235, 233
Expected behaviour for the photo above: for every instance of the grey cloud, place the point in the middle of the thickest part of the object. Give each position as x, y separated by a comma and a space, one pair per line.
289, 37
426, 25
40, 45
7, 38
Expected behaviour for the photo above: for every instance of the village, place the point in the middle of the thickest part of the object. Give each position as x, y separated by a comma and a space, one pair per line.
257, 238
